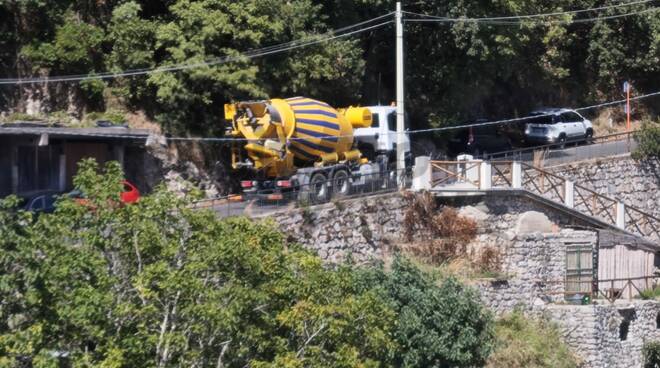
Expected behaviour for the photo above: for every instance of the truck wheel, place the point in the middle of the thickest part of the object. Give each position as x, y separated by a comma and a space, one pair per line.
341, 184
318, 188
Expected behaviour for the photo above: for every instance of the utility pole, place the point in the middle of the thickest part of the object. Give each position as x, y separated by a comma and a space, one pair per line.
400, 127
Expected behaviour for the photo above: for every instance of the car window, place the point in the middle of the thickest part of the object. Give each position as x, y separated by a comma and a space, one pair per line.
375, 121
570, 117
543, 119
49, 201
37, 204
391, 121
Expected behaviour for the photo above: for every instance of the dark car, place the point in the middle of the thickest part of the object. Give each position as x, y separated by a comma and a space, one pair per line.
40, 201
479, 140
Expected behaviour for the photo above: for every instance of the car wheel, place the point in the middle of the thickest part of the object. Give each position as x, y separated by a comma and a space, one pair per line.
561, 142
589, 136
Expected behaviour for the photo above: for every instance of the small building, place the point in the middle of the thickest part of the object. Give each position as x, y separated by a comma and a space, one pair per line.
35, 156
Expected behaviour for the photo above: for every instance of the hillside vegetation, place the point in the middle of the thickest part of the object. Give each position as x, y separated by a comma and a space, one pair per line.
455, 70
159, 284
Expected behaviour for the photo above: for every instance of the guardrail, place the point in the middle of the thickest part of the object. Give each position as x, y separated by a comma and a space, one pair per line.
484, 175
572, 150
263, 202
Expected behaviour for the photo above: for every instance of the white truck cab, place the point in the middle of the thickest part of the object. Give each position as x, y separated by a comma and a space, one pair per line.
380, 138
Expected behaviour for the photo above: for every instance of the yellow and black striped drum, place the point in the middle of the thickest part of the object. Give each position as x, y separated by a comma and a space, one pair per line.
314, 129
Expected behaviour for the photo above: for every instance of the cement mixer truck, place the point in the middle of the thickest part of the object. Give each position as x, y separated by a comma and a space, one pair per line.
301, 148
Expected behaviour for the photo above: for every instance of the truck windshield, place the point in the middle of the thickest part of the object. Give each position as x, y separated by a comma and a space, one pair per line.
374, 121
391, 121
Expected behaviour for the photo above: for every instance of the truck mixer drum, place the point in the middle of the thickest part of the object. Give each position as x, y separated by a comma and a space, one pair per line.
303, 143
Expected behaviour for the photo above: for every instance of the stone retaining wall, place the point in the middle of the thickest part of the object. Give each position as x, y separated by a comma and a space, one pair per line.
594, 332
636, 183
365, 228
535, 267
533, 249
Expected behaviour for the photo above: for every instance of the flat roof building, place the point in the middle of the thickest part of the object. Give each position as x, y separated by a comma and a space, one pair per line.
36, 156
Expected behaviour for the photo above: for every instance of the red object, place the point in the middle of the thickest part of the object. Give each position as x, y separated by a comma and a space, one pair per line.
283, 183
246, 184
130, 194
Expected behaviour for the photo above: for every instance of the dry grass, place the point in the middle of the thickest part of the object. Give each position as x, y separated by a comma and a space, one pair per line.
423, 221
613, 120
139, 120
441, 236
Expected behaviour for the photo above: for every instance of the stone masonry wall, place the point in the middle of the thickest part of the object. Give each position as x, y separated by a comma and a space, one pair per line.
535, 265
636, 183
594, 331
365, 228
361, 228
533, 249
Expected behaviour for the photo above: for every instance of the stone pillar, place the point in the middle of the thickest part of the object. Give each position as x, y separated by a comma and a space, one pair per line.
569, 188
486, 176
516, 175
422, 173
620, 215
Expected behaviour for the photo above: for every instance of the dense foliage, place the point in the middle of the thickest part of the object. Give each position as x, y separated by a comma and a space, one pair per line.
651, 354
159, 284
455, 71
521, 342
649, 141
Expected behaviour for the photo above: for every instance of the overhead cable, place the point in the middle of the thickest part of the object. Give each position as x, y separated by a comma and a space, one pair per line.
523, 19
251, 54
538, 15
417, 131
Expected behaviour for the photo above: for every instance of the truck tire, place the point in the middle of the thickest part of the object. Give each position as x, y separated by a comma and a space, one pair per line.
318, 188
341, 184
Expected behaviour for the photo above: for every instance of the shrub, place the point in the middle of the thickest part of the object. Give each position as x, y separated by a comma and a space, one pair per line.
649, 141
648, 294
521, 342
159, 283
651, 354
438, 325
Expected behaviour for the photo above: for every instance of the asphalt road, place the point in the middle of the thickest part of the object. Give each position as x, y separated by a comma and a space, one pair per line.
579, 152
573, 153
249, 208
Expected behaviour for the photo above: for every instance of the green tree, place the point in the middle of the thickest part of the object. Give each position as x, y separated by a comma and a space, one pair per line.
216, 29
159, 284
649, 141
440, 323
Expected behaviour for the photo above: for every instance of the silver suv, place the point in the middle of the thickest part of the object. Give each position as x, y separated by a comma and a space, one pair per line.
556, 125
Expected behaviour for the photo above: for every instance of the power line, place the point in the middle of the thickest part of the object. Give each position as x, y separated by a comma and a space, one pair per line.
527, 16
251, 54
417, 131
506, 23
